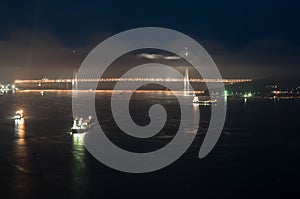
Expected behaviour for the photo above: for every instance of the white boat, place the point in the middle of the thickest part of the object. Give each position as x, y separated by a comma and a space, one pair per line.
19, 115
204, 102
81, 125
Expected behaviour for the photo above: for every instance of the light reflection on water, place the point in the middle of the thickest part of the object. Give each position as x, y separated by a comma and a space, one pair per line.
21, 149
21, 162
20, 131
79, 167
256, 132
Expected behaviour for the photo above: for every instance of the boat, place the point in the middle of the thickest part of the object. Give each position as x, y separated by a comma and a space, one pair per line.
81, 125
204, 102
19, 115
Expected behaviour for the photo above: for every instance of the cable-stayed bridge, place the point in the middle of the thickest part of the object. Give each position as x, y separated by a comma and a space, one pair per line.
108, 83
196, 80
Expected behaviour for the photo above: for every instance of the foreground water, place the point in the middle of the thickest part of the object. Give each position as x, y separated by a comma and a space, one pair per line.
256, 156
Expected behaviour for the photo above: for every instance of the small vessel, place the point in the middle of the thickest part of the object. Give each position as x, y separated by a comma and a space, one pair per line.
81, 125
204, 102
19, 115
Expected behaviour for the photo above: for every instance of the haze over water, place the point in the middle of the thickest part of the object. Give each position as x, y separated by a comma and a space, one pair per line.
259, 148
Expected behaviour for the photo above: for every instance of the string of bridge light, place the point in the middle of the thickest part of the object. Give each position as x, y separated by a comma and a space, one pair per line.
197, 80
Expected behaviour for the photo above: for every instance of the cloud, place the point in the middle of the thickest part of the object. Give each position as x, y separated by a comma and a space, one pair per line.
158, 56
28, 54
272, 57
172, 57
150, 56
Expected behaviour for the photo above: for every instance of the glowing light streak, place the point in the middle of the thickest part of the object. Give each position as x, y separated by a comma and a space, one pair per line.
195, 80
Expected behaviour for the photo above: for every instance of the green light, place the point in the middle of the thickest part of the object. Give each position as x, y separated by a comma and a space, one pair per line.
226, 93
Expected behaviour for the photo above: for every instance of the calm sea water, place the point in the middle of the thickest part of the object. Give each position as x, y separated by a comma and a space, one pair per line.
257, 154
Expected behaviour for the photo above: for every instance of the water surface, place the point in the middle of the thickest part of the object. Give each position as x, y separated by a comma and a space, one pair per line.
256, 156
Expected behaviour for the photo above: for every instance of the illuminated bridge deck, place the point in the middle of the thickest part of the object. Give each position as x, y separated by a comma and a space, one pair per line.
108, 83
195, 80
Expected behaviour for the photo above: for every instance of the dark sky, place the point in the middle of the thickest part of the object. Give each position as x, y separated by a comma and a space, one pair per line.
255, 39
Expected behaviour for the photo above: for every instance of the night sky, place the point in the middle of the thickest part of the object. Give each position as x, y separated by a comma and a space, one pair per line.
247, 39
